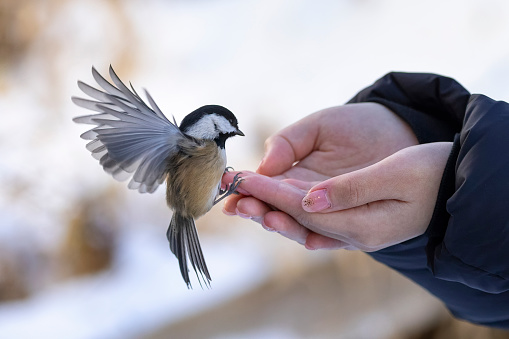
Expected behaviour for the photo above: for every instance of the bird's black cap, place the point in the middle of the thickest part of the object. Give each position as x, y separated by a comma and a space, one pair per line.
195, 115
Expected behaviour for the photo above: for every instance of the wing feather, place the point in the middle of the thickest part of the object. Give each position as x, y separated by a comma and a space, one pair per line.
106, 85
155, 107
129, 138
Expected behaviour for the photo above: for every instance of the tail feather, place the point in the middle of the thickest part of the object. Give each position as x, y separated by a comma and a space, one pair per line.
184, 243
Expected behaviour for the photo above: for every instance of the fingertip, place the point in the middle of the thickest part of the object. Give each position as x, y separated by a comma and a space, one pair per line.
228, 211
315, 241
281, 195
259, 169
309, 247
263, 169
267, 227
285, 225
316, 201
228, 178
230, 204
252, 207
279, 156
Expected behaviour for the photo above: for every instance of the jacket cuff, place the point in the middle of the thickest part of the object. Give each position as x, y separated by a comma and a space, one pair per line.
426, 128
438, 224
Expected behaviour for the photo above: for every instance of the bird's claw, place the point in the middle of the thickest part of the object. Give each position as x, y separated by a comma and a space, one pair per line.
230, 188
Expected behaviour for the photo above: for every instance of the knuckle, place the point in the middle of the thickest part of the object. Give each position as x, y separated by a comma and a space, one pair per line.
349, 193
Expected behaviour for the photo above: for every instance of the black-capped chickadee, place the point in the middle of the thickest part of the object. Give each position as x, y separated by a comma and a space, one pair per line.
132, 140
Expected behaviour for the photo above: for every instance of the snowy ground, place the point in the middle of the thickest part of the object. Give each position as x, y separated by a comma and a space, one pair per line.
140, 292
271, 62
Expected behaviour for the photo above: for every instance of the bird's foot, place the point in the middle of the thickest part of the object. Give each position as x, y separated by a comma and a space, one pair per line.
230, 188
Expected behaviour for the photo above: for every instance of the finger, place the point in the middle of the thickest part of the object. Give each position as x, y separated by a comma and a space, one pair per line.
228, 178
303, 174
289, 145
285, 225
385, 180
252, 208
303, 185
273, 221
288, 220
315, 241
279, 194
230, 204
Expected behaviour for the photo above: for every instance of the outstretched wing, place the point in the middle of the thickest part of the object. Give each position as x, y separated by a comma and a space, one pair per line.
130, 139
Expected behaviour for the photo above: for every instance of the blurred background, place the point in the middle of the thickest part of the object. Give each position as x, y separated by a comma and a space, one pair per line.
81, 256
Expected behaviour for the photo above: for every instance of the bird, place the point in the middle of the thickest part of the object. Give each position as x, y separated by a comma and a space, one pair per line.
135, 141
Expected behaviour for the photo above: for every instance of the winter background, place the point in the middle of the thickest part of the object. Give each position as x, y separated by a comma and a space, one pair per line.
81, 256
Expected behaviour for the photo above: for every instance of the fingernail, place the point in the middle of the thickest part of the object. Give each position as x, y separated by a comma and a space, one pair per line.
311, 248
228, 212
316, 201
268, 228
242, 215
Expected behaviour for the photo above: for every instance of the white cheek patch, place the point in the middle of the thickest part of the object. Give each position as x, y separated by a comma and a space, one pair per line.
202, 129
209, 127
222, 124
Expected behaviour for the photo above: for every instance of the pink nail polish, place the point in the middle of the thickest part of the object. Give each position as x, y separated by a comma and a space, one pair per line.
316, 201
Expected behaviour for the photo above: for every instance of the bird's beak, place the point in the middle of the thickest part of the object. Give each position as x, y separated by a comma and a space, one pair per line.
239, 132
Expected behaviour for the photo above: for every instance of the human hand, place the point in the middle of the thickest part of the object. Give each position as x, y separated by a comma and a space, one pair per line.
331, 142
367, 209
335, 141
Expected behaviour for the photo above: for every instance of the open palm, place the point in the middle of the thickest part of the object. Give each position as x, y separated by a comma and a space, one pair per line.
335, 141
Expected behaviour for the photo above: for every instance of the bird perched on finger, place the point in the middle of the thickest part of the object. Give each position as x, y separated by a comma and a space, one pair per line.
135, 141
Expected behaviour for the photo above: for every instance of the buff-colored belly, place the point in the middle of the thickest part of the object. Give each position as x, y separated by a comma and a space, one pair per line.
192, 184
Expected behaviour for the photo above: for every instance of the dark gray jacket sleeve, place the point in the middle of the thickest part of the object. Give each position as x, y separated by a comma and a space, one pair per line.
473, 246
468, 237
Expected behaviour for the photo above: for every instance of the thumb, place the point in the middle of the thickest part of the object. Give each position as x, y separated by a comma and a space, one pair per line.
380, 181
279, 156
289, 145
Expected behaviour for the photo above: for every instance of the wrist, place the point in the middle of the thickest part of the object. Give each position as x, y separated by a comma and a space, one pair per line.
438, 224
